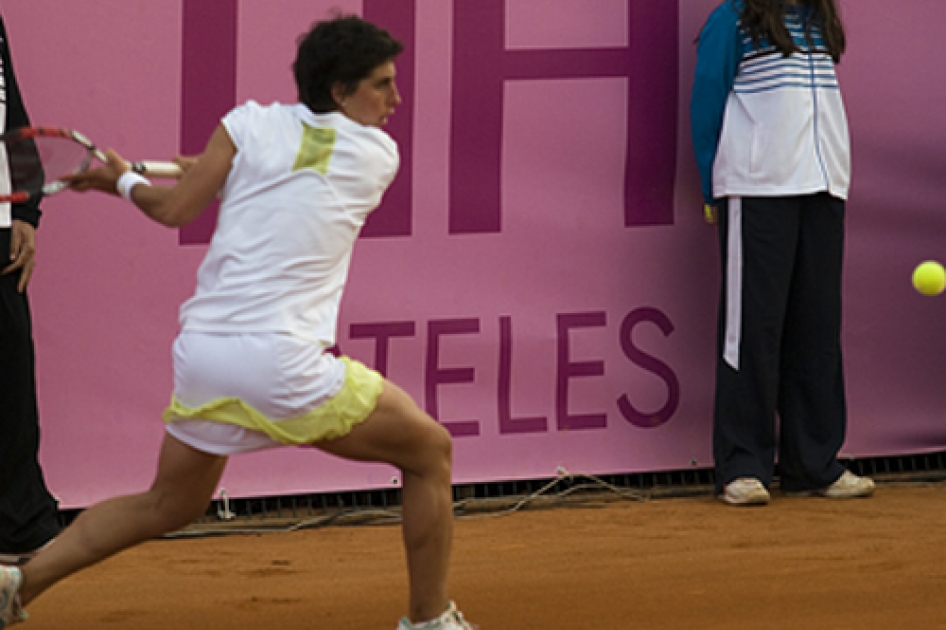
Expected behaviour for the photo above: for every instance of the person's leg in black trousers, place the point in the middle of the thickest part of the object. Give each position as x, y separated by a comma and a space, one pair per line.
758, 241
28, 512
812, 405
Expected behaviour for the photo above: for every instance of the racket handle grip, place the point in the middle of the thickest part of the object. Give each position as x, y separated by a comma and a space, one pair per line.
161, 170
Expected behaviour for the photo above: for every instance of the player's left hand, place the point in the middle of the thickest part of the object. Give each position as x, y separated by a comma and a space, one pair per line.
22, 252
186, 162
103, 178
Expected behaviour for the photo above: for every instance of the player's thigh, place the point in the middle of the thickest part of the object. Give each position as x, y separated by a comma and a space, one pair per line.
397, 432
186, 478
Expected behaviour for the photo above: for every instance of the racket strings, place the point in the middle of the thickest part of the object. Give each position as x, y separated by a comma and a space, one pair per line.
38, 164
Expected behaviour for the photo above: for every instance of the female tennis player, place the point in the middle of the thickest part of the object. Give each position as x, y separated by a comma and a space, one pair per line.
251, 367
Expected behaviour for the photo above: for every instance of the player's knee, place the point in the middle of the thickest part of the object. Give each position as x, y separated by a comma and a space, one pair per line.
438, 445
173, 511
443, 442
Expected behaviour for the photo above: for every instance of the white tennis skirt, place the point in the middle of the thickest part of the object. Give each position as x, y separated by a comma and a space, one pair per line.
277, 376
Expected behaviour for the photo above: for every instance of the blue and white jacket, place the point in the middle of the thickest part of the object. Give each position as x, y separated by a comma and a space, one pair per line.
766, 125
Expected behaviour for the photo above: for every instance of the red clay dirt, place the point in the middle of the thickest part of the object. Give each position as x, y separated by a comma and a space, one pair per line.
694, 564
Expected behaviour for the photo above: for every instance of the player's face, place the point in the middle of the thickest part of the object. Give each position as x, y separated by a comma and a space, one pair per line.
375, 98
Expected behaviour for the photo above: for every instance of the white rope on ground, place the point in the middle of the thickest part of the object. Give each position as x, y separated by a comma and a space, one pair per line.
376, 516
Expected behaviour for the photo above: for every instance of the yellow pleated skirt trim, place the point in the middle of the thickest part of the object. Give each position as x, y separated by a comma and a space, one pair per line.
334, 419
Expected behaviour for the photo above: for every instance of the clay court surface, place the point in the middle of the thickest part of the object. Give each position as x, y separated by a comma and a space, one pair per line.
693, 563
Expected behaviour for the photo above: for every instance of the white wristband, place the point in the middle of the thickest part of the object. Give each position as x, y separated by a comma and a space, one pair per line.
127, 182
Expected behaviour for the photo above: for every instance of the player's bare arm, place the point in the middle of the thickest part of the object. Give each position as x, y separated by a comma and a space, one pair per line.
176, 205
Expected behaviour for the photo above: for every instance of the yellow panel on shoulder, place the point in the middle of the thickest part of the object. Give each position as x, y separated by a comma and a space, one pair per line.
315, 151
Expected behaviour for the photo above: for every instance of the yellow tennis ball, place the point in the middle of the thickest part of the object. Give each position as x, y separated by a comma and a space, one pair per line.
929, 278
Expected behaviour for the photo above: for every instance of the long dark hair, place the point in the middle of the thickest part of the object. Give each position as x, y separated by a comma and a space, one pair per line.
766, 19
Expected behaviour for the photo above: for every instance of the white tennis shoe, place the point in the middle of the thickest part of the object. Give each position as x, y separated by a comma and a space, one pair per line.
10, 610
745, 491
848, 486
452, 619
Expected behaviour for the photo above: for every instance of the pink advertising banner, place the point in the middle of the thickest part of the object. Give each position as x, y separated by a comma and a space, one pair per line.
539, 276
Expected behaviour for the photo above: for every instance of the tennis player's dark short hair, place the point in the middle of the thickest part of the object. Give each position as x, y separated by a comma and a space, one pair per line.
343, 50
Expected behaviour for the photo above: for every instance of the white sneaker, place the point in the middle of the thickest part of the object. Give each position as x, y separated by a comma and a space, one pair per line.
745, 491
10, 610
452, 619
848, 486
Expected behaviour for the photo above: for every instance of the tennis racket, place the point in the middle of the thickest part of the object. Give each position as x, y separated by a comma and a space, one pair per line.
39, 157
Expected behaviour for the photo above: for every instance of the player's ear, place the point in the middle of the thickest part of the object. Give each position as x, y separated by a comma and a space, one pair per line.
339, 95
